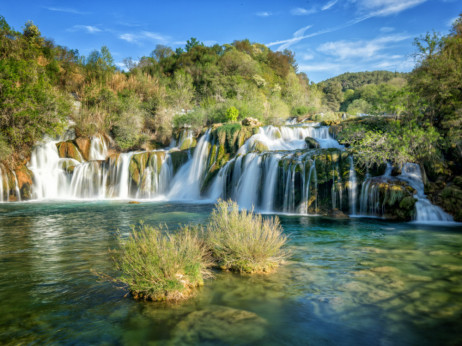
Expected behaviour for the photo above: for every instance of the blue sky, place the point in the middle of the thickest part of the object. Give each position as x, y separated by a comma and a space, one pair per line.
328, 37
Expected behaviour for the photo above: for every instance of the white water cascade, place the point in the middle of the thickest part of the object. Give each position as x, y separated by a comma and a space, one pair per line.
187, 182
352, 187
425, 211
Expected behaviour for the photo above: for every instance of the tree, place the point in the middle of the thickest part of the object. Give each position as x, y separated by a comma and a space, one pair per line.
161, 52
191, 43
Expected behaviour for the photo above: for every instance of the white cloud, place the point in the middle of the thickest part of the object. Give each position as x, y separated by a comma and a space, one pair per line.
128, 37
307, 57
144, 36
65, 10
264, 14
300, 11
319, 67
301, 31
359, 49
328, 5
386, 29
382, 8
88, 28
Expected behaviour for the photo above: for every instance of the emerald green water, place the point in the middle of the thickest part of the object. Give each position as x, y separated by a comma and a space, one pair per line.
349, 282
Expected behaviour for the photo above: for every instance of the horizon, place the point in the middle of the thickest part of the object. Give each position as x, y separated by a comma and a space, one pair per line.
328, 38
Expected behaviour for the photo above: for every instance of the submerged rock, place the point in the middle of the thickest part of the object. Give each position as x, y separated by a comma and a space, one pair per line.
220, 324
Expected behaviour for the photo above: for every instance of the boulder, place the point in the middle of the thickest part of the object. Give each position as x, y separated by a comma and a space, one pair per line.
84, 144
251, 122
24, 176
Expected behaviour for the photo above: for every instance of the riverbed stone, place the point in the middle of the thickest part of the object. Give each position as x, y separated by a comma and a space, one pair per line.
220, 325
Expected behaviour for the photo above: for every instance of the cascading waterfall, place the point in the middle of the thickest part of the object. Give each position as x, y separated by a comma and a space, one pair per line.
425, 211
98, 148
352, 187
272, 171
187, 182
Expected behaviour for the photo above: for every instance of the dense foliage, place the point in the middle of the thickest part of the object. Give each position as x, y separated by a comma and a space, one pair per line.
45, 85
426, 121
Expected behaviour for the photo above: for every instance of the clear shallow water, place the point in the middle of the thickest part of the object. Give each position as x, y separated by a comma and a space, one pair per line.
356, 282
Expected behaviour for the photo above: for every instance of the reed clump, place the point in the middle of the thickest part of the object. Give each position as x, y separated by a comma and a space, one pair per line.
243, 241
161, 266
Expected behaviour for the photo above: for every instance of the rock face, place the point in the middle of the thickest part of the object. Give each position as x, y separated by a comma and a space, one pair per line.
84, 144
251, 122
220, 325
24, 176
69, 150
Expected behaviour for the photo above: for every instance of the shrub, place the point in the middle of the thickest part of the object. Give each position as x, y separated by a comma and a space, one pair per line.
232, 113
162, 266
244, 242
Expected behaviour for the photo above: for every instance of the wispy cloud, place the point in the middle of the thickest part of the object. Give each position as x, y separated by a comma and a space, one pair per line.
297, 36
386, 29
328, 5
87, 28
144, 36
307, 56
66, 10
264, 14
300, 11
359, 49
382, 8
128, 37
319, 67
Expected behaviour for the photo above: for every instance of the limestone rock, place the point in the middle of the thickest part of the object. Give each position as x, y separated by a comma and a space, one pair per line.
251, 122
69, 150
84, 144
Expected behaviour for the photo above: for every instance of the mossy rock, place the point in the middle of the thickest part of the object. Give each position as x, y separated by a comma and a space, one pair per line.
311, 143
451, 201
188, 143
260, 147
69, 150
179, 158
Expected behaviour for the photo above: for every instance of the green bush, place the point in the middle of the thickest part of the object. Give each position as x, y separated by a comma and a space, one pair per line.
231, 114
244, 242
301, 110
161, 266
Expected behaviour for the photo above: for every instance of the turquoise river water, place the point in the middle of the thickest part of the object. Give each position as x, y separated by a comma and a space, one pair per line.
348, 282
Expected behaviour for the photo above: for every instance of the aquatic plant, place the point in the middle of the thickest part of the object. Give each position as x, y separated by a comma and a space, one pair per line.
161, 266
243, 241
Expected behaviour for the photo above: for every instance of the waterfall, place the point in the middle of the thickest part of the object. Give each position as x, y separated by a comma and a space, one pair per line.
352, 187
187, 182
49, 174
425, 211
98, 148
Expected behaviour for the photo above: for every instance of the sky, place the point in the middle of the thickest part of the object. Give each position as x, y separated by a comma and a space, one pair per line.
328, 37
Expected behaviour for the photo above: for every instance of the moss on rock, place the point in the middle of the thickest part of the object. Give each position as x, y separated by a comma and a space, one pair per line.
69, 150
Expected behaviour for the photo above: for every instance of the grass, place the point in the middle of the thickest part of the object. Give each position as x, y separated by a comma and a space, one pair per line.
162, 266
244, 242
